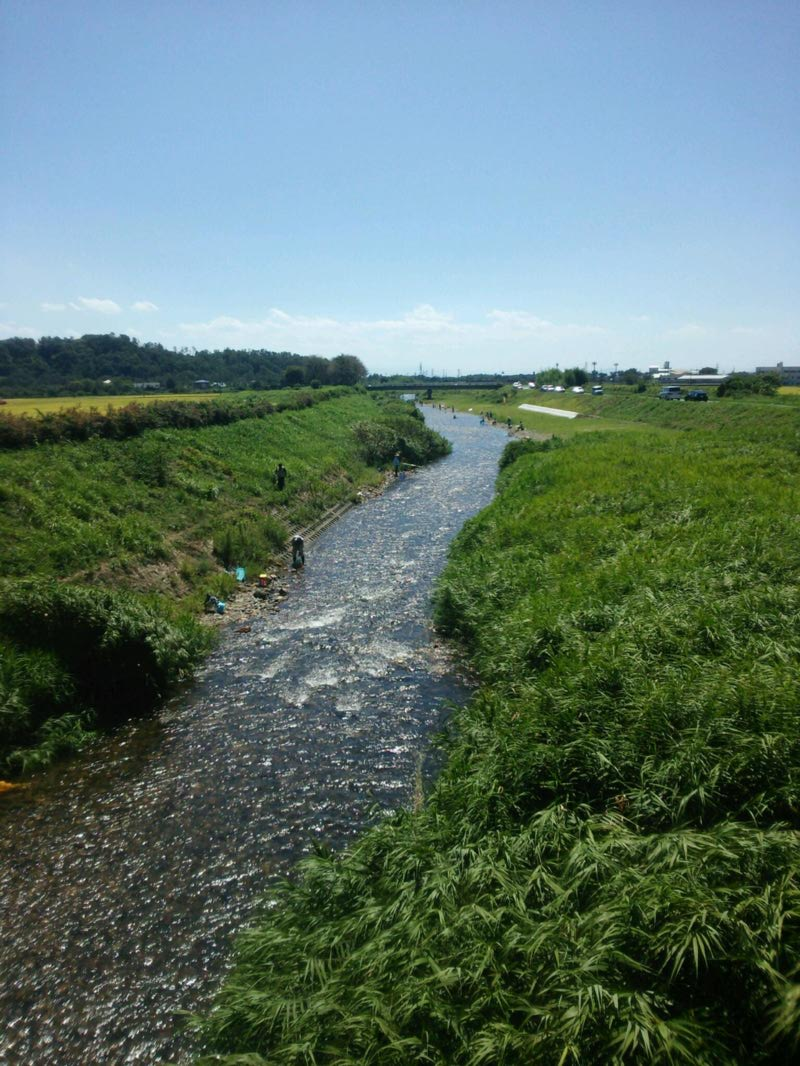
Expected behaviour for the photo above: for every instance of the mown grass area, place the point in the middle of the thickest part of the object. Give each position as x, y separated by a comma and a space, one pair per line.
607, 869
146, 528
755, 418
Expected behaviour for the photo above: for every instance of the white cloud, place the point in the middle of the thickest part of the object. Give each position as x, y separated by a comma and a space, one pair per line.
523, 322
425, 334
53, 307
424, 323
93, 303
749, 331
143, 305
640, 318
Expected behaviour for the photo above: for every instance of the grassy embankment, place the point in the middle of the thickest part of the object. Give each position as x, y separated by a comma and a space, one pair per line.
108, 549
606, 870
756, 418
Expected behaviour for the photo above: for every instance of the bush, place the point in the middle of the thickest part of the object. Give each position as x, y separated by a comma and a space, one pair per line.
379, 440
121, 656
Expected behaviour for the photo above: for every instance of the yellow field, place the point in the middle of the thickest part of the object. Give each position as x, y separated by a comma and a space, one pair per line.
45, 404
789, 390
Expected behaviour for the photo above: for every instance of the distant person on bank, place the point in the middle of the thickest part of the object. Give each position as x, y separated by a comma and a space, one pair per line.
280, 476
396, 463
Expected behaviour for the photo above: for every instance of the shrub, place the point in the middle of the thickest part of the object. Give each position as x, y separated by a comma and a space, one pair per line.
121, 655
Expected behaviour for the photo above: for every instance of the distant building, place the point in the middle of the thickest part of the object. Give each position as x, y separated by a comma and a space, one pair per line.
789, 375
147, 384
665, 372
202, 383
684, 377
702, 379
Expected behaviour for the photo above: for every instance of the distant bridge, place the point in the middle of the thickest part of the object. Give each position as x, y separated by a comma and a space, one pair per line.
440, 385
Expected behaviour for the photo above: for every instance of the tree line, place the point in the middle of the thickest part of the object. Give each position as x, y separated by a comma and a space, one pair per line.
110, 363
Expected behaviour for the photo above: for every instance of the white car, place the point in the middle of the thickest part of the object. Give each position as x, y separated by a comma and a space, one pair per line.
577, 388
559, 388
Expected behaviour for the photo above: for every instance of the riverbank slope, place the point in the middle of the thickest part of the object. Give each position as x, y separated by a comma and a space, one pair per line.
606, 869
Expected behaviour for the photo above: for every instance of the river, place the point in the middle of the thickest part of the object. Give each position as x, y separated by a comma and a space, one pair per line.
125, 875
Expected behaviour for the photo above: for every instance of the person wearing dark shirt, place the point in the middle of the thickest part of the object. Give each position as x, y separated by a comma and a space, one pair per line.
298, 553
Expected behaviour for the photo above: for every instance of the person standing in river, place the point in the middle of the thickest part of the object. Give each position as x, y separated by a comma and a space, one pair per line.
280, 476
298, 552
396, 463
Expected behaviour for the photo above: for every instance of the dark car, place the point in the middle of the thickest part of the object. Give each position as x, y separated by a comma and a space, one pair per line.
696, 394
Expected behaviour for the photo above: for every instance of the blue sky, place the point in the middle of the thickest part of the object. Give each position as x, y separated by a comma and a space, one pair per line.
462, 186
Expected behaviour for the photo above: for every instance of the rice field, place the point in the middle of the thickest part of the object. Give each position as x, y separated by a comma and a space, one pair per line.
35, 405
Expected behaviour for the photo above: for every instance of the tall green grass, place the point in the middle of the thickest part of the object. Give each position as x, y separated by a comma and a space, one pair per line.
607, 869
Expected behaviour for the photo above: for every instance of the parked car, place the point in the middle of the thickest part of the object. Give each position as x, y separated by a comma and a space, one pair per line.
597, 390
670, 392
696, 394
577, 388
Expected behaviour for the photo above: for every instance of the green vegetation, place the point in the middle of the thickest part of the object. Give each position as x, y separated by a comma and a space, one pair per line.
607, 869
756, 418
112, 545
133, 419
105, 363
742, 384
76, 658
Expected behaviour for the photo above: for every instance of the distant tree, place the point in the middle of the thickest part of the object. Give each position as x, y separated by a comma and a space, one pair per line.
575, 376
53, 365
293, 375
708, 370
316, 369
347, 370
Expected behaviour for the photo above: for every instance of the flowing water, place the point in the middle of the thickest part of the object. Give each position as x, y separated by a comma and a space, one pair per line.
125, 875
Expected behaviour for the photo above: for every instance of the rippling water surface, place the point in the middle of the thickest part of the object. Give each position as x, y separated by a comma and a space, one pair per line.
124, 877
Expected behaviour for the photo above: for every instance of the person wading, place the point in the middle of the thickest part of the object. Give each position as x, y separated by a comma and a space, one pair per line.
298, 552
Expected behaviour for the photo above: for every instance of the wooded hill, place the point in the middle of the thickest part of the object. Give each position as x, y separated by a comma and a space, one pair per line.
106, 363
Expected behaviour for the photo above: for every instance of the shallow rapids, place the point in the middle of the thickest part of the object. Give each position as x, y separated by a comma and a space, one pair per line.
125, 875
